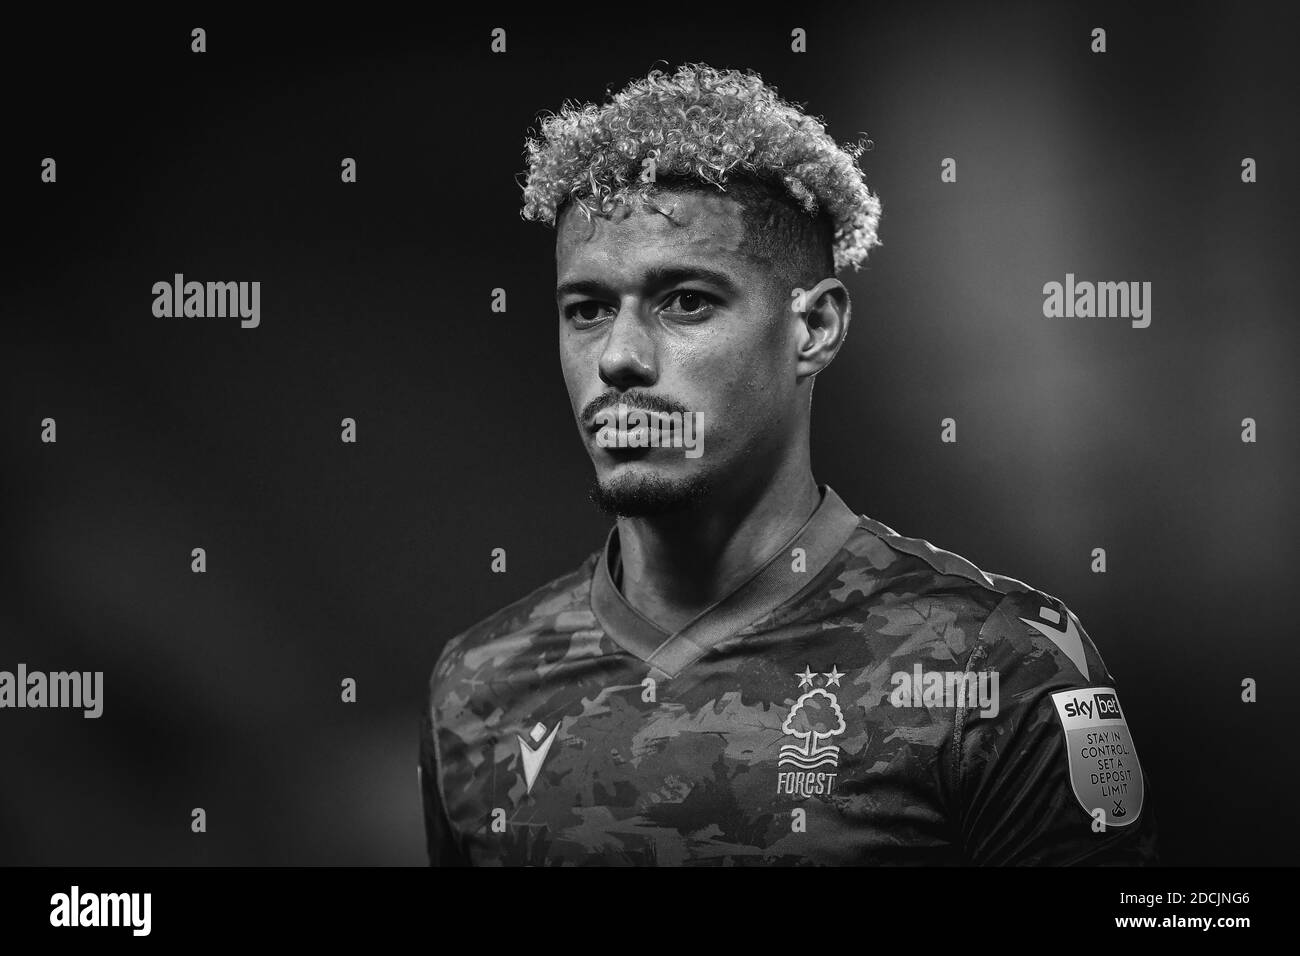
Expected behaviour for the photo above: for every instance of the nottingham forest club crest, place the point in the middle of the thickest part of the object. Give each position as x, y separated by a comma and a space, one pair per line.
813, 720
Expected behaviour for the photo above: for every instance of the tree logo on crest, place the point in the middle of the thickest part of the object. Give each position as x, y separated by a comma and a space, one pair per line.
816, 716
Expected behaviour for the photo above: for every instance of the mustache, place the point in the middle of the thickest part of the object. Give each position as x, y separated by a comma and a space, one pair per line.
645, 401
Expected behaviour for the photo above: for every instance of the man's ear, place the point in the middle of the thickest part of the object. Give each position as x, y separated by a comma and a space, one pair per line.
823, 313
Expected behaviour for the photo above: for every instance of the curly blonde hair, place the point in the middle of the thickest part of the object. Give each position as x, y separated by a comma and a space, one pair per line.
700, 125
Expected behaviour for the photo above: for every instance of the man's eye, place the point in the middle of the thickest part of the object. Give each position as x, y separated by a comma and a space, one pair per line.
586, 311
689, 301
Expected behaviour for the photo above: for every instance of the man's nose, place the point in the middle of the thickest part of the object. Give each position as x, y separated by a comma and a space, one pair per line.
628, 358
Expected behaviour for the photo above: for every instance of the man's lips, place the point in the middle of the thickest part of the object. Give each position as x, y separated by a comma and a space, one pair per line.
634, 419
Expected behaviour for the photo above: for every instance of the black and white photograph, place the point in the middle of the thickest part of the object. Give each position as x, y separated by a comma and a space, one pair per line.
841, 437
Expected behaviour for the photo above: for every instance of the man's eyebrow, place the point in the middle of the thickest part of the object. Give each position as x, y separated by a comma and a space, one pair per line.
655, 278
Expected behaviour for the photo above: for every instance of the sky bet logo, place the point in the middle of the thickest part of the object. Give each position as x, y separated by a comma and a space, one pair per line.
1106, 708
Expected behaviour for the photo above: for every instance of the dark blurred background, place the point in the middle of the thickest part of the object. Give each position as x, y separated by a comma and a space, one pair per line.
328, 560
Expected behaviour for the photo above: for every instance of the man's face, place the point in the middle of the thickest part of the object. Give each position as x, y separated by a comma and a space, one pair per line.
673, 316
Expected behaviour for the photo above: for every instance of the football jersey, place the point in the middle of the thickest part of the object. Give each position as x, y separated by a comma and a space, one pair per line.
863, 698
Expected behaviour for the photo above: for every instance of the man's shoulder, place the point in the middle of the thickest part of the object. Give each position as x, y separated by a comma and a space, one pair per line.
1015, 619
894, 562
562, 603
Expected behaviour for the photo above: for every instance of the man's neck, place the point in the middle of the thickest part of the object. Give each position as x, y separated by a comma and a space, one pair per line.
678, 566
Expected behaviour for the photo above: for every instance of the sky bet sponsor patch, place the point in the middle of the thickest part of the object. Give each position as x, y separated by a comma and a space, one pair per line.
1104, 769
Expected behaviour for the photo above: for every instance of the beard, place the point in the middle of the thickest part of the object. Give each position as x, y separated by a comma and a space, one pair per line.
648, 495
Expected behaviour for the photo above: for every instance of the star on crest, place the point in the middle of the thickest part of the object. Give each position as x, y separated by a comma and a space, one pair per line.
805, 677
833, 677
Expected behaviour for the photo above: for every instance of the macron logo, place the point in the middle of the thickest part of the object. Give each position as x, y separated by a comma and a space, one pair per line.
533, 758
1068, 642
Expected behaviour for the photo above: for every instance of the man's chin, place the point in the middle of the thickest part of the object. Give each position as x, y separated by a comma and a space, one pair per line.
648, 494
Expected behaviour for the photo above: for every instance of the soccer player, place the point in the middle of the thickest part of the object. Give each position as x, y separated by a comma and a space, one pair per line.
749, 671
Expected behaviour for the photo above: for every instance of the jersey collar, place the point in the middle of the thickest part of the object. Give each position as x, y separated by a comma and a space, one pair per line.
770, 586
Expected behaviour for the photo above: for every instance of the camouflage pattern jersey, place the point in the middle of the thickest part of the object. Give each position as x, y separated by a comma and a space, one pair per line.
863, 699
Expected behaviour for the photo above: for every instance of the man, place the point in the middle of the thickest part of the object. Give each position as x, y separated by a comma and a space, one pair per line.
749, 671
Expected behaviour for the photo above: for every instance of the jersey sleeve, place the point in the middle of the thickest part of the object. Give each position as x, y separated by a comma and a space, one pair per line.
443, 842
1049, 774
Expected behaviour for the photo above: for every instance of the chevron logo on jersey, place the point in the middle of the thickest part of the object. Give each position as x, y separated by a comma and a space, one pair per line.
1067, 640
534, 758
